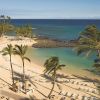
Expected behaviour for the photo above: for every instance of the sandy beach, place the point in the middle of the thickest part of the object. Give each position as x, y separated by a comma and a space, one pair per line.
68, 86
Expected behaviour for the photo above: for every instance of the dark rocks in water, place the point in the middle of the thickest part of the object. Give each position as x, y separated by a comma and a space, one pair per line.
53, 43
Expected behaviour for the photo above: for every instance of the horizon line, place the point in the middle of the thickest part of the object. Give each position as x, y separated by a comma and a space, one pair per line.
62, 18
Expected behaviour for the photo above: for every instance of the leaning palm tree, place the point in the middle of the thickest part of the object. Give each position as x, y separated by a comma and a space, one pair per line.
9, 51
21, 51
51, 66
88, 43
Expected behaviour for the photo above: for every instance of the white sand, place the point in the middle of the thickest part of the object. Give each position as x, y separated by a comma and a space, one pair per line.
35, 72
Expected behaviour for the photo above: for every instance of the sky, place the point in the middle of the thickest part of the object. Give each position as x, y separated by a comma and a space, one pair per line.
51, 9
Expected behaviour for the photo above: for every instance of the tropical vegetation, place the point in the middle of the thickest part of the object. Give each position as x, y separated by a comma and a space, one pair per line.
51, 67
24, 31
21, 51
9, 51
89, 43
5, 26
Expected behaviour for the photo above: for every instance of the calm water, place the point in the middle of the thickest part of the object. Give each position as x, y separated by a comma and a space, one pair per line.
58, 29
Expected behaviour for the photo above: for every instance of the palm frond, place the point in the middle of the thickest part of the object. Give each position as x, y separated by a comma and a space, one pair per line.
60, 66
25, 47
26, 58
18, 48
52, 64
5, 53
7, 50
96, 65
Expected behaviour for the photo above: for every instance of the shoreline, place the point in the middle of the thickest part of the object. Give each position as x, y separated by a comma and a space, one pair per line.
75, 71
70, 83
67, 70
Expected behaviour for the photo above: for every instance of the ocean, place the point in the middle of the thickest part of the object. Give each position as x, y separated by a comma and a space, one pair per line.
63, 29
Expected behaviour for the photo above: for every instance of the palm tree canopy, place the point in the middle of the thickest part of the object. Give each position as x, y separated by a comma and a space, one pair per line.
97, 65
8, 50
24, 30
51, 64
21, 51
89, 40
26, 58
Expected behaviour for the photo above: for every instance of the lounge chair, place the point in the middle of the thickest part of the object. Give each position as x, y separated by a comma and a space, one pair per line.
93, 98
52, 97
85, 84
29, 91
77, 83
20, 87
80, 97
75, 96
66, 94
85, 98
69, 94
62, 93
73, 82
63, 98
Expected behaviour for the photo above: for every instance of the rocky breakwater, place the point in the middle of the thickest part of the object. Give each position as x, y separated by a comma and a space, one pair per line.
53, 43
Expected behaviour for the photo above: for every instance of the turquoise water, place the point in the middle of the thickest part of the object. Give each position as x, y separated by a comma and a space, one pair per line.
58, 29
66, 55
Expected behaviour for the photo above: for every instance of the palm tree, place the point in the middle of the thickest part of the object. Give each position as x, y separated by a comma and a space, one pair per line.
9, 51
51, 66
29, 30
24, 30
21, 51
89, 41
5, 25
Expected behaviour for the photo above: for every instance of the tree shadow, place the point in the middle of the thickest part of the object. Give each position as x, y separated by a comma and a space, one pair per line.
5, 82
4, 68
81, 91
16, 65
86, 79
93, 71
96, 82
61, 76
28, 79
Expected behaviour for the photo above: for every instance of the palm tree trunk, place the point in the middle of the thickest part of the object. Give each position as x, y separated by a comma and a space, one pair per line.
12, 70
53, 83
24, 83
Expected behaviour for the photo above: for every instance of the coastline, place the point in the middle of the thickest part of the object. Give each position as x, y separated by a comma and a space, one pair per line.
35, 71
70, 70
27, 41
